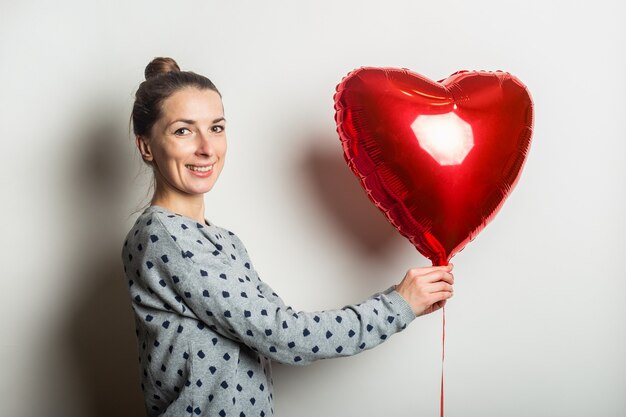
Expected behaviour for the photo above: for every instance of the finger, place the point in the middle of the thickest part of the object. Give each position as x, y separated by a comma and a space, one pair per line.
440, 296
426, 269
438, 305
437, 276
438, 287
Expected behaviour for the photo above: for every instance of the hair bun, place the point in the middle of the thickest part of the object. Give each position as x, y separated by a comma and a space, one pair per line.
160, 65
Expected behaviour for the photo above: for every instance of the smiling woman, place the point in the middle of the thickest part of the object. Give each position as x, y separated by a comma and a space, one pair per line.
207, 326
179, 125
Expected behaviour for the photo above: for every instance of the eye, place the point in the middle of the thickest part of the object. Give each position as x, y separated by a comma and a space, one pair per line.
217, 128
182, 131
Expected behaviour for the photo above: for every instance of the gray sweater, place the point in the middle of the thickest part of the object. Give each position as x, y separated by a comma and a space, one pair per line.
207, 326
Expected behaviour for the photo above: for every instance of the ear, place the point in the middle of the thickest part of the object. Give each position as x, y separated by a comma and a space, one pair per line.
144, 148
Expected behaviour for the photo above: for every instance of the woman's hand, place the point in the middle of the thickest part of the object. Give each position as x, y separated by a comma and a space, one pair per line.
426, 289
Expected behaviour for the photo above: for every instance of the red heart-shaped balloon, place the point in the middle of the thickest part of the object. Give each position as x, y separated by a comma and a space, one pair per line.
438, 158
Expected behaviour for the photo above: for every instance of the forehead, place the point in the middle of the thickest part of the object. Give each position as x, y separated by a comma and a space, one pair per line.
193, 103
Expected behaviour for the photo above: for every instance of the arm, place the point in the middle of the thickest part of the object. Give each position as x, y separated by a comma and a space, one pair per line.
227, 300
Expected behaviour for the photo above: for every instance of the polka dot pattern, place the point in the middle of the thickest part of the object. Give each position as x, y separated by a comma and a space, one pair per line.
208, 327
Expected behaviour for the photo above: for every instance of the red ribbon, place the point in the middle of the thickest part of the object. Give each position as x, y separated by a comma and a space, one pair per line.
443, 342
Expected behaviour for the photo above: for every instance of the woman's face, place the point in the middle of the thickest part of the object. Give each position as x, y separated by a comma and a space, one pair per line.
189, 135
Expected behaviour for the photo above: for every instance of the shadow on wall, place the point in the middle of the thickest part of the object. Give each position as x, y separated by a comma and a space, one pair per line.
337, 192
340, 194
99, 331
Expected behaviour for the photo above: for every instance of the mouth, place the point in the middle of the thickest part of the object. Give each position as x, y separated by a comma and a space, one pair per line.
200, 168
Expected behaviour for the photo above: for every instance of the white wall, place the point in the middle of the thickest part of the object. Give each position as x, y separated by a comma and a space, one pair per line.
537, 326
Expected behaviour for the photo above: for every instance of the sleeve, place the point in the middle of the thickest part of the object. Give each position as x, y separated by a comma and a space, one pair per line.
268, 292
243, 308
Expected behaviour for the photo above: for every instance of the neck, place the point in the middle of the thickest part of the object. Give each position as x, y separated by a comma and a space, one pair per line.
191, 206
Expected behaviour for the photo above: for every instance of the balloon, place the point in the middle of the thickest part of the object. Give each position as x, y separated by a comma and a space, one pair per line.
438, 158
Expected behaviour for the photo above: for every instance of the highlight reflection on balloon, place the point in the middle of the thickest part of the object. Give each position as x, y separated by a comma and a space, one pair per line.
438, 158
446, 137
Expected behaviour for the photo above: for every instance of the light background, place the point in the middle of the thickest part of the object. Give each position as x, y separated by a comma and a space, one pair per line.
537, 325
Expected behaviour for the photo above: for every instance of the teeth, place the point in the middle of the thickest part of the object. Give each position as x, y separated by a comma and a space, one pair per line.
200, 169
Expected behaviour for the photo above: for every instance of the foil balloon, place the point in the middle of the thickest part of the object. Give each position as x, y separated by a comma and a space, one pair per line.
438, 158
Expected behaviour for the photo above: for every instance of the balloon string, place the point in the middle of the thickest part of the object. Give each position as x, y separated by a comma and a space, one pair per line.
443, 342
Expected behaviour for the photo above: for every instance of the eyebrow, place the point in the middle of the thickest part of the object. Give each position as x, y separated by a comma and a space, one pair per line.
189, 121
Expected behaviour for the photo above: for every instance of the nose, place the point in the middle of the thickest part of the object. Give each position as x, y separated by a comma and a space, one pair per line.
205, 145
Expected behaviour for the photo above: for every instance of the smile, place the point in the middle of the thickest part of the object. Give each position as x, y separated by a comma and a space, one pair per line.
206, 168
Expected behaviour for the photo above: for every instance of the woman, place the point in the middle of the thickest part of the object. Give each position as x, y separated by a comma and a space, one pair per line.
207, 326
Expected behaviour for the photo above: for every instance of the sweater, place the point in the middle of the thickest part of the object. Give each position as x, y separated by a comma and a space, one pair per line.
208, 327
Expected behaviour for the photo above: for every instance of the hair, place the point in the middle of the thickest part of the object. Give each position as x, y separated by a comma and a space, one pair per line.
163, 78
